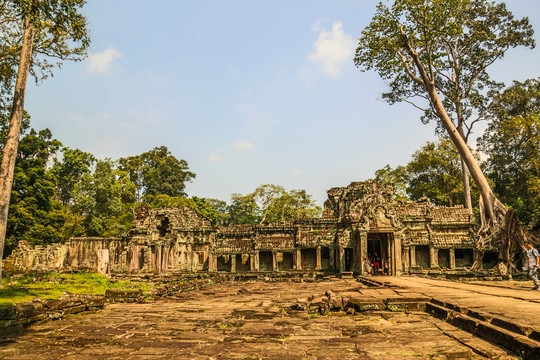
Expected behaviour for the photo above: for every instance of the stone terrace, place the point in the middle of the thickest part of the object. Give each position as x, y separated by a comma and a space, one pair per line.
256, 320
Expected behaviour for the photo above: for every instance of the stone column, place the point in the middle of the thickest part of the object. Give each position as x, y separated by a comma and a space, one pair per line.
341, 258
318, 265
413, 256
189, 257
397, 267
274, 261
433, 257
298, 259
211, 265
252, 262
256, 261
233, 263
363, 251
157, 259
406, 257
165, 258
135, 266
294, 261
452, 258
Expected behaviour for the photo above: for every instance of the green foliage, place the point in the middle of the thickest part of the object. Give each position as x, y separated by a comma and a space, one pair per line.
53, 285
512, 143
105, 198
243, 210
69, 171
34, 215
60, 33
157, 172
271, 203
396, 177
455, 41
434, 171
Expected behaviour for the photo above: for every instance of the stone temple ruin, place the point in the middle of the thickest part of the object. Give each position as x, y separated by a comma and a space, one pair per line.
359, 221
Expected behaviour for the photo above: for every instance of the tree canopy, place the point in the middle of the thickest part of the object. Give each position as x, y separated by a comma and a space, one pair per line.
512, 144
271, 203
423, 48
157, 172
435, 55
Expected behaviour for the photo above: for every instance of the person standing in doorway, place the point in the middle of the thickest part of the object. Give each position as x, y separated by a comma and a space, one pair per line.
533, 261
386, 268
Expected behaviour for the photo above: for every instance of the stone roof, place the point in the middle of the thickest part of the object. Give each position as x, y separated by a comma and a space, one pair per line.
448, 240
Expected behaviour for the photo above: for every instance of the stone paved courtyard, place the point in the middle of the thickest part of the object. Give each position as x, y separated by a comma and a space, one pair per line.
248, 320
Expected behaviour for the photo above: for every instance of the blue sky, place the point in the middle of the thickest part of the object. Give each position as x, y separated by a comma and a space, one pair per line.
247, 92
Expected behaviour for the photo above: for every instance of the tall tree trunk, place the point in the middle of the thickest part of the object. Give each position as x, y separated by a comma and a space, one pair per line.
12, 142
495, 221
466, 186
464, 170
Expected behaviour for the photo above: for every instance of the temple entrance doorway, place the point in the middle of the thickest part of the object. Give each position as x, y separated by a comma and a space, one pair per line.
379, 250
348, 259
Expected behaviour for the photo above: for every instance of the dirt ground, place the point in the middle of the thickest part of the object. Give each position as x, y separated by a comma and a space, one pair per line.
249, 320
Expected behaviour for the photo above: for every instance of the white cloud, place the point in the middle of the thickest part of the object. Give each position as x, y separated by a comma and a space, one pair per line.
244, 145
296, 173
333, 49
214, 158
102, 62
254, 116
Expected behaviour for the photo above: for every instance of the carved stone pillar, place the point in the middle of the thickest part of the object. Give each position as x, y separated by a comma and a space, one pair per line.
274, 261
189, 257
406, 258
233, 263
452, 258
318, 265
433, 257
157, 259
298, 259
413, 256
397, 268
341, 252
212, 263
362, 251
165, 258
256, 261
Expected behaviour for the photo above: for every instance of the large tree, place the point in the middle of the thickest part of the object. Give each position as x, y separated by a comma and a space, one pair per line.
34, 213
157, 172
512, 143
271, 203
69, 171
34, 31
422, 47
434, 171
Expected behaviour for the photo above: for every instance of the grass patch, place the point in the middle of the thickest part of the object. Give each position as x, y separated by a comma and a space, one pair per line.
51, 286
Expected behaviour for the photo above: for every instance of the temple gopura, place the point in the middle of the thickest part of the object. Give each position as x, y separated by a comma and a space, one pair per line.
359, 222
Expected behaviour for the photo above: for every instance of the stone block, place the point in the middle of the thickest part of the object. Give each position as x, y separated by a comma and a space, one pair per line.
12, 328
479, 316
114, 295
75, 309
406, 306
463, 322
437, 311
7, 313
364, 304
63, 303
336, 302
28, 309
517, 343
507, 325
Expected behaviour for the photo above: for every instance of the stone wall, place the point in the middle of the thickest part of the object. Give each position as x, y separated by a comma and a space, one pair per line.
359, 221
